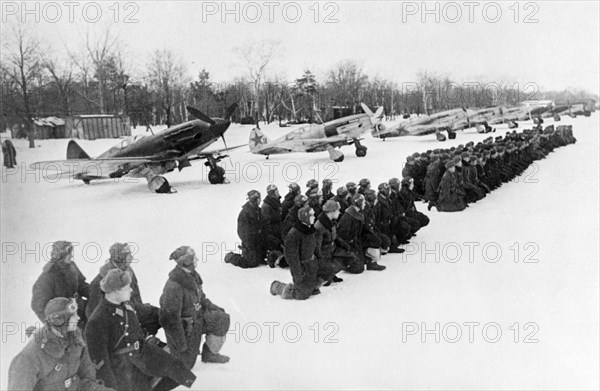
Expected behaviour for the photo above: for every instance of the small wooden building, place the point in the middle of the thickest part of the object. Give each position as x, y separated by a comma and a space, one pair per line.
49, 127
94, 126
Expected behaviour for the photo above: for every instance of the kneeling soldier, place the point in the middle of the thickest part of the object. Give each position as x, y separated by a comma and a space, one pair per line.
186, 313
56, 357
123, 359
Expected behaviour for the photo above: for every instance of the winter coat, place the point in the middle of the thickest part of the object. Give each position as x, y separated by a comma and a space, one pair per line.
49, 362
58, 280
432, 179
271, 218
300, 251
383, 214
351, 227
407, 199
325, 234
290, 220
451, 195
287, 203
248, 228
10, 154
182, 304
110, 328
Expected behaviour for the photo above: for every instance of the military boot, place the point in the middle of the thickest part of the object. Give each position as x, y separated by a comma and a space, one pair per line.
208, 356
277, 288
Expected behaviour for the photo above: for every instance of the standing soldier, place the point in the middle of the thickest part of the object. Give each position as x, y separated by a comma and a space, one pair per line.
120, 257
10, 154
56, 357
248, 229
186, 313
60, 278
271, 225
300, 249
124, 360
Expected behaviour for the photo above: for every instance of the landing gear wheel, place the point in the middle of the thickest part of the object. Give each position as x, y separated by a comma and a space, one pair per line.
216, 175
361, 151
340, 159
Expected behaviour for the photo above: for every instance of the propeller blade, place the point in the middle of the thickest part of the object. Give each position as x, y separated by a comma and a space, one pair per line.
199, 115
230, 110
366, 109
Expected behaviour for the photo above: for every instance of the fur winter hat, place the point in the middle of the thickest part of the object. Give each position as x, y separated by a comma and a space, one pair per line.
364, 182
184, 256
341, 191
114, 280
120, 253
294, 187
60, 248
253, 195
59, 310
312, 183
304, 214
327, 183
331, 206
271, 189
300, 200
450, 163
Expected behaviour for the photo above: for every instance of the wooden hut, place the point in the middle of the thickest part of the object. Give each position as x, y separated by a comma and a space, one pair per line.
94, 126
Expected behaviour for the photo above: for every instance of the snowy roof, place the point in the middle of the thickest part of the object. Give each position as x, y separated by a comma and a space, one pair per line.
95, 116
49, 121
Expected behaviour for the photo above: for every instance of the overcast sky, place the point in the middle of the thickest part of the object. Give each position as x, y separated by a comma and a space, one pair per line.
470, 41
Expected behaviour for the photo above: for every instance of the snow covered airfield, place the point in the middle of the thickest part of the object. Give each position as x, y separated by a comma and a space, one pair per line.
502, 295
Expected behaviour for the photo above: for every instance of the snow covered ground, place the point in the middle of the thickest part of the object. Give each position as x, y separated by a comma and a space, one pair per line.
509, 287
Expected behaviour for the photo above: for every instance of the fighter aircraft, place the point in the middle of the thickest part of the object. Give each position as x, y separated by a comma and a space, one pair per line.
448, 120
320, 137
151, 156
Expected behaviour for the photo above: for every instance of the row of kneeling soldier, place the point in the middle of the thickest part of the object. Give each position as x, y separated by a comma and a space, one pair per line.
322, 234
118, 349
451, 179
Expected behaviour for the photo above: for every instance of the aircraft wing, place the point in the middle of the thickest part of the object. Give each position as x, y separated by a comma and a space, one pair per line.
203, 154
96, 168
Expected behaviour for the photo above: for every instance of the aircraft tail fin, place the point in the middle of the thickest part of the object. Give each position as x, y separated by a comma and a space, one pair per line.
257, 140
74, 151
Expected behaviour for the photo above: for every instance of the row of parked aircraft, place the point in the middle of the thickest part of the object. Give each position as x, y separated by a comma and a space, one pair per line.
152, 156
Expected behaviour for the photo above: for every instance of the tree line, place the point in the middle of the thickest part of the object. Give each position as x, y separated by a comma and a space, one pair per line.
97, 78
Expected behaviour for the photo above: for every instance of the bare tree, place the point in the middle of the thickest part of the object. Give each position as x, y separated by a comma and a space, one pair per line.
166, 77
22, 65
61, 74
347, 82
256, 57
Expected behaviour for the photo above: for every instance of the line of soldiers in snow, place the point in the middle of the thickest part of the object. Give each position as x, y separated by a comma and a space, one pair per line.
450, 179
118, 349
319, 234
